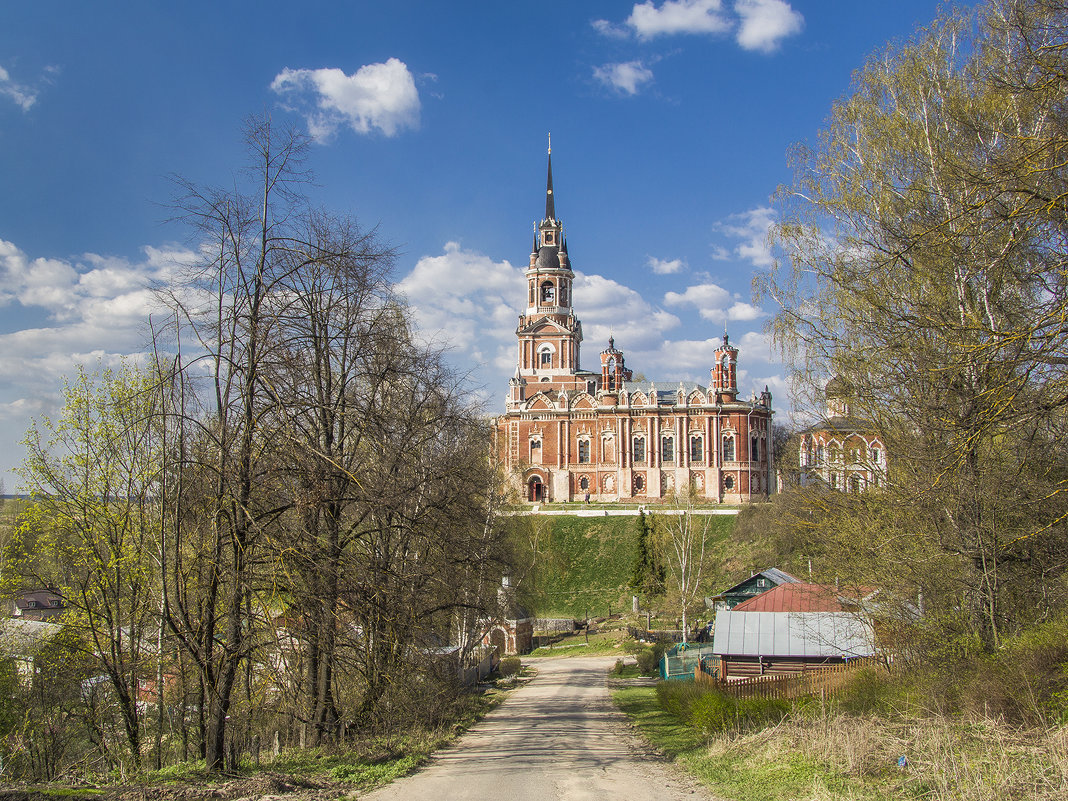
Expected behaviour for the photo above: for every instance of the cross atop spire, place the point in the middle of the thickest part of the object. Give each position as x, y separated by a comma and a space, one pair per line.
550, 206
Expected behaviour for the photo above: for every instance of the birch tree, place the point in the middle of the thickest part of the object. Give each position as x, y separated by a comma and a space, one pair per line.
922, 256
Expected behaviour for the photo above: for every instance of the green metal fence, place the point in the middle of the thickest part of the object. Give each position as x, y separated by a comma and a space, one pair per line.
681, 661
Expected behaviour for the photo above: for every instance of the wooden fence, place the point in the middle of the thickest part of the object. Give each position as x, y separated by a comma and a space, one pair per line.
825, 681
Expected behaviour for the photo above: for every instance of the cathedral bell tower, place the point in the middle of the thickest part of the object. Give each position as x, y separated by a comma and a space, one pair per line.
614, 372
725, 372
548, 332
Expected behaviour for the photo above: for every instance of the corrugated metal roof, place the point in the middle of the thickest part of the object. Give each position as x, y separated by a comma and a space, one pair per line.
794, 597
811, 634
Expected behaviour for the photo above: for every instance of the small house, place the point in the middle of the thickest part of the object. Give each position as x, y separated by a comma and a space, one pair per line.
39, 604
761, 643
754, 585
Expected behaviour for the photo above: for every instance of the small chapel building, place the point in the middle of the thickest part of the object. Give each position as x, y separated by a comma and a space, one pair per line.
571, 434
842, 452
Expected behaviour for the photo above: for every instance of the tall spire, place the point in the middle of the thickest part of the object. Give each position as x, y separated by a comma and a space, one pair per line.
550, 206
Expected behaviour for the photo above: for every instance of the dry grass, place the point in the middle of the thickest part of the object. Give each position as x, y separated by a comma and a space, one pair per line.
977, 760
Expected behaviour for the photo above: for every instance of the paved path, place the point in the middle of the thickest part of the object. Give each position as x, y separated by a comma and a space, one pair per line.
557, 739
620, 512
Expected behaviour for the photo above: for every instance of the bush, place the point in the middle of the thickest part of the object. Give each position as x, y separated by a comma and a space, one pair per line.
758, 713
714, 712
867, 690
617, 669
649, 659
509, 666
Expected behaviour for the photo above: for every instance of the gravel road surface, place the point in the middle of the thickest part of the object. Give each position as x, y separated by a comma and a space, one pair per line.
559, 738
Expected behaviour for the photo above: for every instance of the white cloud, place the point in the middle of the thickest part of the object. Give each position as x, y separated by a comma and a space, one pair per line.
467, 302
759, 25
379, 97
702, 296
752, 227
765, 23
678, 16
744, 311
606, 28
714, 304
664, 266
23, 96
627, 78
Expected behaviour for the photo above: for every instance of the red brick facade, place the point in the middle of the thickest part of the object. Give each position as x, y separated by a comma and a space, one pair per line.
570, 433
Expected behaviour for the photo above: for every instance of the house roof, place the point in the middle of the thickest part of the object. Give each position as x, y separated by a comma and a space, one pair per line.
40, 599
773, 574
794, 597
792, 634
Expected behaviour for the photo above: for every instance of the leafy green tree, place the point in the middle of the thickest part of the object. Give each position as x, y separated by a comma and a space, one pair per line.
92, 527
922, 255
648, 573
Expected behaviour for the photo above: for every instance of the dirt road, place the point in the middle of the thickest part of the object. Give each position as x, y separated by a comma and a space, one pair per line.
557, 739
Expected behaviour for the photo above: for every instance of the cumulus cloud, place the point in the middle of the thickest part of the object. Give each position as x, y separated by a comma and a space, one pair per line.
758, 25
765, 23
714, 303
380, 97
678, 16
467, 302
752, 228
665, 266
626, 78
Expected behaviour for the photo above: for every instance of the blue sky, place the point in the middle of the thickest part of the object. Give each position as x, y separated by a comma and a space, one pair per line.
670, 125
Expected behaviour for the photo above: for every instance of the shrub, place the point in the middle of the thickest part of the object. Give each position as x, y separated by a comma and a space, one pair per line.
866, 690
617, 669
509, 666
714, 712
678, 697
757, 713
649, 658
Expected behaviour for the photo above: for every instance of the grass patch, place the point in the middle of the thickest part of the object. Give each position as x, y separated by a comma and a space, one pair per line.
666, 732
815, 756
600, 644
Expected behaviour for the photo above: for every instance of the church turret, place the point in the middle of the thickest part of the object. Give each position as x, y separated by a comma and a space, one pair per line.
725, 372
613, 369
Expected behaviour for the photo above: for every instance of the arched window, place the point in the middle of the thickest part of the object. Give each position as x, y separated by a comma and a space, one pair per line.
667, 449
545, 356
584, 482
535, 451
874, 455
548, 293
754, 449
728, 448
697, 449
608, 450
611, 374
639, 449
819, 454
836, 454
563, 294
854, 484
584, 451
531, 301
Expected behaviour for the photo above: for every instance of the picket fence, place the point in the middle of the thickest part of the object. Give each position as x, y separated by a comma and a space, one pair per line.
825, 682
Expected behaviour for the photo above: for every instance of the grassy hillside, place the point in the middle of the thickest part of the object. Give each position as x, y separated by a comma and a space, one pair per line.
585, 563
